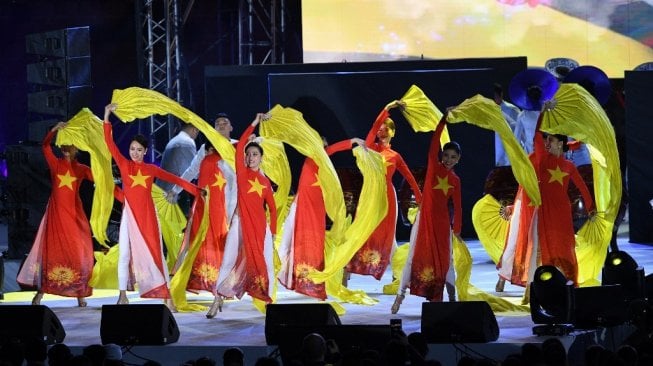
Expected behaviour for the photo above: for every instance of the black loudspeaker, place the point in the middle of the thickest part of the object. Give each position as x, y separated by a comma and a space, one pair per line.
459, 322
142, 324
64, 72
64, 102
599, 306
30, 321
69, 42
278, 316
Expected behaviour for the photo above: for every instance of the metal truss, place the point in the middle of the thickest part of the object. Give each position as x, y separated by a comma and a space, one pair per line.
160, 67
261, 28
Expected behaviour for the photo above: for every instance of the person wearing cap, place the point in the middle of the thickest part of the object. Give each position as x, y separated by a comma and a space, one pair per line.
374, 256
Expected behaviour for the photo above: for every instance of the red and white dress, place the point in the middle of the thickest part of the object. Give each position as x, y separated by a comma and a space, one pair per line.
428, 266
247, 265
374, 256
61, 259
302, 246
141, 247
544, 235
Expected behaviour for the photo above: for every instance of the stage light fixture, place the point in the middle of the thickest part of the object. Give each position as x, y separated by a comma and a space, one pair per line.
620, 268
551, 301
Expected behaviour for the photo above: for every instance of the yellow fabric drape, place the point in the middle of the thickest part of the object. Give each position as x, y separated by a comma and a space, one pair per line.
172, 222
420, 112
137, 102
575, 113
371, 209
275, 166
397, 262
180, 278
84, 131
288, 125
468, 292
485, 113
105, 269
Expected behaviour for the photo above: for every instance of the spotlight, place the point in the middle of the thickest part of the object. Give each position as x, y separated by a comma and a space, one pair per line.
621, 269
552, 302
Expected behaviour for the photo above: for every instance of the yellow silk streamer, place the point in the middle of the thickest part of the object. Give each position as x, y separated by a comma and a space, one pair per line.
288, 125
468, 292
371, 209
84, 131
180, 278
275, 165
420, 112
485, 113
137, 102
574, 112
105, 269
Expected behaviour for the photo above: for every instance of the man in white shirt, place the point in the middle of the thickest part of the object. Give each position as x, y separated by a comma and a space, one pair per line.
177, 156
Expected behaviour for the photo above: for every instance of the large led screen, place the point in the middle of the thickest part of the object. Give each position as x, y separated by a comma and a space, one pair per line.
614, 35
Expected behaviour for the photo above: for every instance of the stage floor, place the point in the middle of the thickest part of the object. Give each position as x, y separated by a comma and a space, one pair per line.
240, 324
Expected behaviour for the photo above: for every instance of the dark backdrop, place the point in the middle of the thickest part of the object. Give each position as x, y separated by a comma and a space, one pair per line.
639, 132
342, 100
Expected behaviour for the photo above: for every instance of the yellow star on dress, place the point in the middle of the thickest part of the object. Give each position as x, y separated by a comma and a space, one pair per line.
139, 179
219, 181
256, 187
443, 184
66, 180
557, 175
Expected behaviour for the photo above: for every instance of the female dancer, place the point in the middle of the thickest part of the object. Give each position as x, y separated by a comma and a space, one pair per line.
429, 266
302, 247
374, 256
247, 264
545, 234
140, 235
61, 259
206, 266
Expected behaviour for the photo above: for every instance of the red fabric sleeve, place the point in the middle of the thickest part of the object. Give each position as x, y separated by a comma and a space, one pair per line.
171, 178
582, 187
338, 146
111, 145
50, 158
240, 147
371, 136
403, 169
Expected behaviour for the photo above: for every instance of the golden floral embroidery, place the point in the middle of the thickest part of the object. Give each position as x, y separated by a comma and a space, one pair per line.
63, 276
370, 256
262, 283
427, 275
206, 272
302, 270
